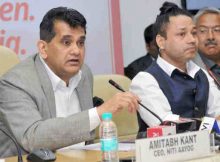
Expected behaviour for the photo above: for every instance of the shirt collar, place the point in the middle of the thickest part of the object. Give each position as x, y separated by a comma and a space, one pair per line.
168, 68
58, 82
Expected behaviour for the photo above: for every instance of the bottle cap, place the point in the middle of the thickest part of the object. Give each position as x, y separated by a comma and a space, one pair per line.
106, 116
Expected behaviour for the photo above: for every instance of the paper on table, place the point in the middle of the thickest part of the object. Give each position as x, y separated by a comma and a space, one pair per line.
96, 146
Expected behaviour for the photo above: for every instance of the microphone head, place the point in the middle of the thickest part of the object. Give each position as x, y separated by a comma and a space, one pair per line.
116, 85
97, 101
112, 82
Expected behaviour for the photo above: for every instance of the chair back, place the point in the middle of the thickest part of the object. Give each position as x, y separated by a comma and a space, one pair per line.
126, 122
8, 59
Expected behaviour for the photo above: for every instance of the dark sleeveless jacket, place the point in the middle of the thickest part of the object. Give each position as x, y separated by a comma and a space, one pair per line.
187, 96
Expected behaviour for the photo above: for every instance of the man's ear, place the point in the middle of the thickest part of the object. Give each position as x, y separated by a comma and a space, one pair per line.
147, 47
42, 48
160, 40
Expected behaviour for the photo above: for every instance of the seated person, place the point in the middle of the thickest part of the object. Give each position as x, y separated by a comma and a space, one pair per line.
174, 86
208, 32
143, 62
46, 100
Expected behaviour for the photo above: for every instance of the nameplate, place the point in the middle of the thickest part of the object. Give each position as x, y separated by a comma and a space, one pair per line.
177, 147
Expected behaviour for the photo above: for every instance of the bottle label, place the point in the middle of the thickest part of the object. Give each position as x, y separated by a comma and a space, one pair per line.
109, 144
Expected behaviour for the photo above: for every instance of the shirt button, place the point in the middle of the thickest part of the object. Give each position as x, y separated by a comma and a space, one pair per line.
194, 91
185, 77
196, 109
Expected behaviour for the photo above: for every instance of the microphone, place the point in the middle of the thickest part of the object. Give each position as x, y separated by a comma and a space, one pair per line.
97, 101
113, 83
116, 85
14, 141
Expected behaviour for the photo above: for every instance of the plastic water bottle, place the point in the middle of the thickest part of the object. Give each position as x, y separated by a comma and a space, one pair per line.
108, 139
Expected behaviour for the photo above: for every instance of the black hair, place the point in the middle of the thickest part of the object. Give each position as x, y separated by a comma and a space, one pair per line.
167, 10
68, 15
148, 34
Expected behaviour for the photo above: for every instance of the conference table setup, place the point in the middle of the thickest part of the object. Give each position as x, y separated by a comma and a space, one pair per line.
185, 140
192, 146
86, 155
115, 104
95, 156
76, 156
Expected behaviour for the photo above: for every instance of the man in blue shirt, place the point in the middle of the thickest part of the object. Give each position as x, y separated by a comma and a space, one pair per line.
143, 62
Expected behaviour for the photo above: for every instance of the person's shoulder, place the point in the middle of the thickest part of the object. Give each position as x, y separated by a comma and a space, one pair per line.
86, 72
199, 61
144, 78
139, 60
86, 69
22, 70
